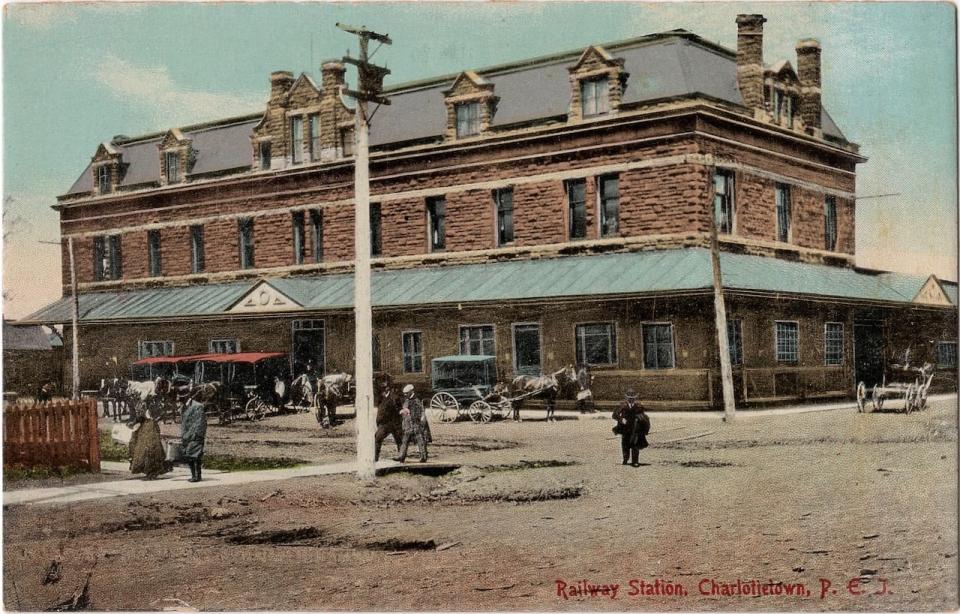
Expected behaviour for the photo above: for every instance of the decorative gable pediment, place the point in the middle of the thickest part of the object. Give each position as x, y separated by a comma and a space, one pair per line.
469, 88
303, 93
931, 293
172, 139
597, 81
175, 148
264, 298
106, 152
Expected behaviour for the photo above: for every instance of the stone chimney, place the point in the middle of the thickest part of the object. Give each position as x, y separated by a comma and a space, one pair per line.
750, 59
332, 72
808, 71
280, 83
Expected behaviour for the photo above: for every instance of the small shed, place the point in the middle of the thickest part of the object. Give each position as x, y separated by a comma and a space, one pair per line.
32, 356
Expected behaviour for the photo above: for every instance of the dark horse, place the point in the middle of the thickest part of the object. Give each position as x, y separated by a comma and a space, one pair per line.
547, 387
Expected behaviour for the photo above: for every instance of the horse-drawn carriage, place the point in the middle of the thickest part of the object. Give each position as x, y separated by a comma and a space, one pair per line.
250, 384
467, 385
912, 385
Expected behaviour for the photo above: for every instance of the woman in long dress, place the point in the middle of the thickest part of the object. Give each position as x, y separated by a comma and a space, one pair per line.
147, 455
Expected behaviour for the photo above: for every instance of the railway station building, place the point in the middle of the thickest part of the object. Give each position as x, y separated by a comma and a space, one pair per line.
552, 211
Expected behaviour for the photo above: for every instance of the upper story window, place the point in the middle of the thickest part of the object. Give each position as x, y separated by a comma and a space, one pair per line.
787, 341
315, 136
503, 201
172, 164
594, 96
296, 140
245, 230
104, 183
577, 208
153, 253
468, 119
608, 191
830, 223
263, 155
375, 230
107, 258
299, 238
783, 212
316, 228
197, 248
724, 207
436, 219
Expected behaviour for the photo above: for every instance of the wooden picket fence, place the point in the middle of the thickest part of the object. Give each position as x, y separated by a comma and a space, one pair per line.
54, 434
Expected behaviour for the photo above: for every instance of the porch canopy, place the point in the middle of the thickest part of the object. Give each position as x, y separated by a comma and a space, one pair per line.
620, 275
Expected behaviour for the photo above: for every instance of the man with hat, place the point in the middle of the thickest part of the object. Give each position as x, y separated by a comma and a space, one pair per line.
389, 421
414, 424
193, 428
632, 426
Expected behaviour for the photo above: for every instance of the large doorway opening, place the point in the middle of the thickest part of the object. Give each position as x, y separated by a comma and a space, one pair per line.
868, 353
308, 347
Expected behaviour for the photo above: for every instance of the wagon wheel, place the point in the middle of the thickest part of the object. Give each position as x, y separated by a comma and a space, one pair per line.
877, 398
861, 397
480, 411
224, 415
505, 408
444, 407
255, 409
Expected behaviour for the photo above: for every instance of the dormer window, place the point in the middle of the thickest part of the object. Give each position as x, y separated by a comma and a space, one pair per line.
594, 97
782, 105
263, 155
103, 179
468, 119
172, 163
296, 140
315, 137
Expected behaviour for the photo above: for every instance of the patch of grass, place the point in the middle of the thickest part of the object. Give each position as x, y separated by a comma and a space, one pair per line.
228, 462
526, 464
110, 450
15, 473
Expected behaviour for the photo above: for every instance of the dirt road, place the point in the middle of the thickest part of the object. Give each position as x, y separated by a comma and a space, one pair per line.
537, 509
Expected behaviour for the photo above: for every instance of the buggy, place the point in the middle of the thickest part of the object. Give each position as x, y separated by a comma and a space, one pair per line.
466, 385
248, 383
914, 393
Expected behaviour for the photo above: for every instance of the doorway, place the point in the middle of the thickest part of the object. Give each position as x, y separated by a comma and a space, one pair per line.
308, 346
868, 353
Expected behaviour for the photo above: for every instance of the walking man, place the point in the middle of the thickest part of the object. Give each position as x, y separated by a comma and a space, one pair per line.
414, 425
193, 429
632, 426
389, 421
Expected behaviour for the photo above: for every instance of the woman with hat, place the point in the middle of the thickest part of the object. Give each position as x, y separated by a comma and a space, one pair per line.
193, 428
414, 424
146, 447
632, 426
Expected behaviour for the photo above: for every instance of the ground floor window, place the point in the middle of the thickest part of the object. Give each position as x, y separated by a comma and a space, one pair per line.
833, 343
597, 343
412, 342
657, 346
787, 341
224, 346
947, 354
477, 341
526, 349
735, 341
148, 349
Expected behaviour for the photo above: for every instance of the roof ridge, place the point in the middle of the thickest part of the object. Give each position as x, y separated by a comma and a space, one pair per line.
198, 127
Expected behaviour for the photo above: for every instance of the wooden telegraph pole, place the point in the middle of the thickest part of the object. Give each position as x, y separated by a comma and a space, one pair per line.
720, 317
74, 317
369, 85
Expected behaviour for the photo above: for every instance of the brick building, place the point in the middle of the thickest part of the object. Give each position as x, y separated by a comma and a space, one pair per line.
551, 211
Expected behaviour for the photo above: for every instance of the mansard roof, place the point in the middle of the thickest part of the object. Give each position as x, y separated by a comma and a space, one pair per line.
664, 66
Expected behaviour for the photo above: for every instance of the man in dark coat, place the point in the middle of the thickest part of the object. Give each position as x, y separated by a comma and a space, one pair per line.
632, 426
193, 429
389, 421
414, 424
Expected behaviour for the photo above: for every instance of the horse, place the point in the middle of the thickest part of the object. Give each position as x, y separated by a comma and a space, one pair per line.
113, 395
45, 392
303, 392
154, 395
547, 387
335, 389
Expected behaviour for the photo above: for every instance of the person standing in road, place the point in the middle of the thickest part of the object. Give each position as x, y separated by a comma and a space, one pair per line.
632, 425
389, 421
414, 424
193, 429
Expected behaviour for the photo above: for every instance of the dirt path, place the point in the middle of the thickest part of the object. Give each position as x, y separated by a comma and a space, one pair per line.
793, 499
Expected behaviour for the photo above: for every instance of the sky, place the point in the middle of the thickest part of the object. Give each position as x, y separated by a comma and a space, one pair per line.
76, 74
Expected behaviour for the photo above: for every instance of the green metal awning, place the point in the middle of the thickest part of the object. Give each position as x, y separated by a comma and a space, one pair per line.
570, 277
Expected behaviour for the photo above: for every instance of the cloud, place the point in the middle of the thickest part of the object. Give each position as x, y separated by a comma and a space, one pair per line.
152, 88
42, 16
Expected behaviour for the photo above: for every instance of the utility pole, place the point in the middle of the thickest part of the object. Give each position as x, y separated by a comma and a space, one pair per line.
74, 317
369, 85
720, 314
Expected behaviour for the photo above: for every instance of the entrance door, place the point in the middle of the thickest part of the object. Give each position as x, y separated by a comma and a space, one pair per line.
868, 353
308, 346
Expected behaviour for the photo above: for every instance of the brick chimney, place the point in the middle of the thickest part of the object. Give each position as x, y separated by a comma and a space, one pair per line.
750, 59
280, 83
332, 72
808, 71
